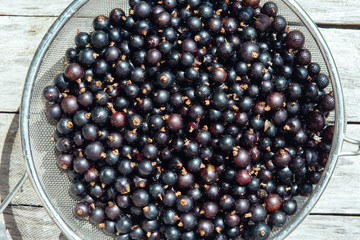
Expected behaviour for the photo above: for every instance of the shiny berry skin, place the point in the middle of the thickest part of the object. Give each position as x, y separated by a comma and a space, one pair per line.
51, 93
282, 158
174, 122
100, 115
101, 23
153, 56
169, 178
322, 81
273, 202
231, 220
262, 23
142, 10
230, 25
270, 9
277, 219
295, 39
251, 3
218, 75
63, 145
81, 165
210, 210
140, 198
169, 216
184, 203
107, 175
275, 100
327, 102
227, 202
243, 177
97, 215
123, 185
260, 231
99, 39
208, 174
124, 224
82, 39
189, 45
315, 121
219, 100
242, 206
172, 233
303, 57
249, 51
314, 69
112, 211
118, 119
150, 151
81, 210
185, 180
151, 211
205, 228
188, 221
122, 68
289, 206
91, 175
226, 143
94, 151
74, 71
69, 105
65, 161
258, 213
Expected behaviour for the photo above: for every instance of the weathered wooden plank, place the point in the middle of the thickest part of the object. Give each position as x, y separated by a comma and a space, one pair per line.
346, 53
332, 12
34, 7
322, 11
327, 227
20, 37
344, 180
27, 33
341, 196
12, 165
30, 223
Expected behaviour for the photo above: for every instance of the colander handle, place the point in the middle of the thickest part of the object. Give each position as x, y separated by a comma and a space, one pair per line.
11, 195
354, 142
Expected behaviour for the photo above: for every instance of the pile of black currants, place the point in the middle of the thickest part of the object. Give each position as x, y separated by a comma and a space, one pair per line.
190, 119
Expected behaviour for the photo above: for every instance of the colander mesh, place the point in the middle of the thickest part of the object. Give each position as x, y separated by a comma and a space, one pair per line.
54, 181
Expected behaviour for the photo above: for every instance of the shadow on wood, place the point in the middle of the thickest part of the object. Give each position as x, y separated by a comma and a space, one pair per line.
5, 175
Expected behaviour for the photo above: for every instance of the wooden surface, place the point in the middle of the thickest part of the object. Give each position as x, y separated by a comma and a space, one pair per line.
24, 23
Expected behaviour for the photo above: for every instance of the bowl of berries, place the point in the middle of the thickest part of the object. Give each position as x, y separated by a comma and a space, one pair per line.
182, 119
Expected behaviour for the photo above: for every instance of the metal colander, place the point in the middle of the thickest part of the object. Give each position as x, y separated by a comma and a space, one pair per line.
52, 184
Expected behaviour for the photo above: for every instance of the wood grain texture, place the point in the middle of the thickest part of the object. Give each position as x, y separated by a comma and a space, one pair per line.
12, 168
27, 33
29, 223
341, 195
332, 11
327, 228
346, 53
321, 11
20, 37
33, 7
12, 165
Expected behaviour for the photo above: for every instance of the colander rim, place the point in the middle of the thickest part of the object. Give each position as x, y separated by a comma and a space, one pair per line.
50, 36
